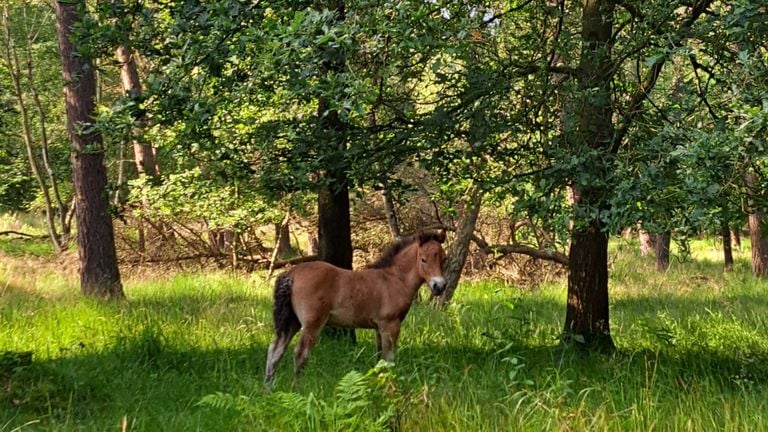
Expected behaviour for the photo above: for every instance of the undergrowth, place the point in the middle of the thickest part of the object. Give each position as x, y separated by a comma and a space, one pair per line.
187, 352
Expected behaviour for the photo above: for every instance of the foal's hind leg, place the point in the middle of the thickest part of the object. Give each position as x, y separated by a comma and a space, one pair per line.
309, 334
276, 351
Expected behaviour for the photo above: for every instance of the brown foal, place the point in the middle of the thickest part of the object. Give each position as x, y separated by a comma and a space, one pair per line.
311, 295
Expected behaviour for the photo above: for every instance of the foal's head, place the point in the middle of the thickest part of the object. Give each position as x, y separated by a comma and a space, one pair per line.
430, 259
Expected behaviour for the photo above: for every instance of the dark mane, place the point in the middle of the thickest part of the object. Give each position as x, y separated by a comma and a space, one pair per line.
387, 257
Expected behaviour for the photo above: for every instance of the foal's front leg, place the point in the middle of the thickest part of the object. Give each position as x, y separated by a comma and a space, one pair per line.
386, 337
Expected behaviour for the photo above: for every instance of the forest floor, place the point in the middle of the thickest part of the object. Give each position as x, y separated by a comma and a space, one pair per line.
186, 351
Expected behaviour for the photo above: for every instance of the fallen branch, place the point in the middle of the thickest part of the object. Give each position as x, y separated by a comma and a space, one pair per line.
554, 256
263, 265
22, 234
504, 250
256, 264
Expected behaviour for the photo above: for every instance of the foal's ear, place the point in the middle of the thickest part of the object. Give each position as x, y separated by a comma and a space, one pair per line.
429, 236
423, 237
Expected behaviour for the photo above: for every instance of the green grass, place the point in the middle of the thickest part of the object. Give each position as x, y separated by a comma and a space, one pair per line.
19, 247
692, 355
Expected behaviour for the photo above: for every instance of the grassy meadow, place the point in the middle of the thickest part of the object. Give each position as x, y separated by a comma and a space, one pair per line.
186, 352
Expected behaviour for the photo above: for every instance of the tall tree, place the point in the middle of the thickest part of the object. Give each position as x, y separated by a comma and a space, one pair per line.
14, 67
597, 139
587, 311
334, 230
333, 221
99, 274
144, 154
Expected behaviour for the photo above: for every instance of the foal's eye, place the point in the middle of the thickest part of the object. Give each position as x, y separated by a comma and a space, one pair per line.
424, 260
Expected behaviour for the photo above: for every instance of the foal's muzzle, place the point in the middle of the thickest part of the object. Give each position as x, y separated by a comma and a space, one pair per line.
437, 285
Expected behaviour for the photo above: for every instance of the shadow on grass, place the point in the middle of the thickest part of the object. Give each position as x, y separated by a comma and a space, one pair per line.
157, 384
158, 388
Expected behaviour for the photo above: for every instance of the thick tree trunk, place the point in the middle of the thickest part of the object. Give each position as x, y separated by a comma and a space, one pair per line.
758, 235
333, 219
587, 314
333, 225
663, 241
725, 234
587, 318
457, 254
99, 274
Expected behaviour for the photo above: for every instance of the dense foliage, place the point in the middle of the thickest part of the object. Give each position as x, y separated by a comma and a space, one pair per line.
566, 119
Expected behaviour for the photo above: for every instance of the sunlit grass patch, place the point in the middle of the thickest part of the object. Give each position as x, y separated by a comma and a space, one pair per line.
692, 356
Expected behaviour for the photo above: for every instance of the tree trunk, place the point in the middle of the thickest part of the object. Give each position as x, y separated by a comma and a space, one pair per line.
99, 274
647, 241
312, 247
758, 235
663, 241
283, 240
333, 219
14, 68
587, 313
725, 233
587, 318
333, 227
63, 208
144, 154
457, 254
391, 213
736, 234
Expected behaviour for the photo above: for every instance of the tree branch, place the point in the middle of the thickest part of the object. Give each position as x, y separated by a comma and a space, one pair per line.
651, 78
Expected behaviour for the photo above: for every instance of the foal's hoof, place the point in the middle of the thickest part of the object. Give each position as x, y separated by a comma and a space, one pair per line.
269, 385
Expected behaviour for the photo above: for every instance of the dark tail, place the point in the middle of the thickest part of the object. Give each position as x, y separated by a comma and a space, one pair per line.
283, 314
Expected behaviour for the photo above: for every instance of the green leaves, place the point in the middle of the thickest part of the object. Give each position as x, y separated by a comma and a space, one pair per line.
361, 402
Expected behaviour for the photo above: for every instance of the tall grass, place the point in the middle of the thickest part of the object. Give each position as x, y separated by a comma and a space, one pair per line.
187, 352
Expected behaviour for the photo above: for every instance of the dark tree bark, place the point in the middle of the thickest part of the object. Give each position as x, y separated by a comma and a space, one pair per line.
587, 317
457, 253
725, 234
587, 314
334, 230
99, 274
758, 235
663, 241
